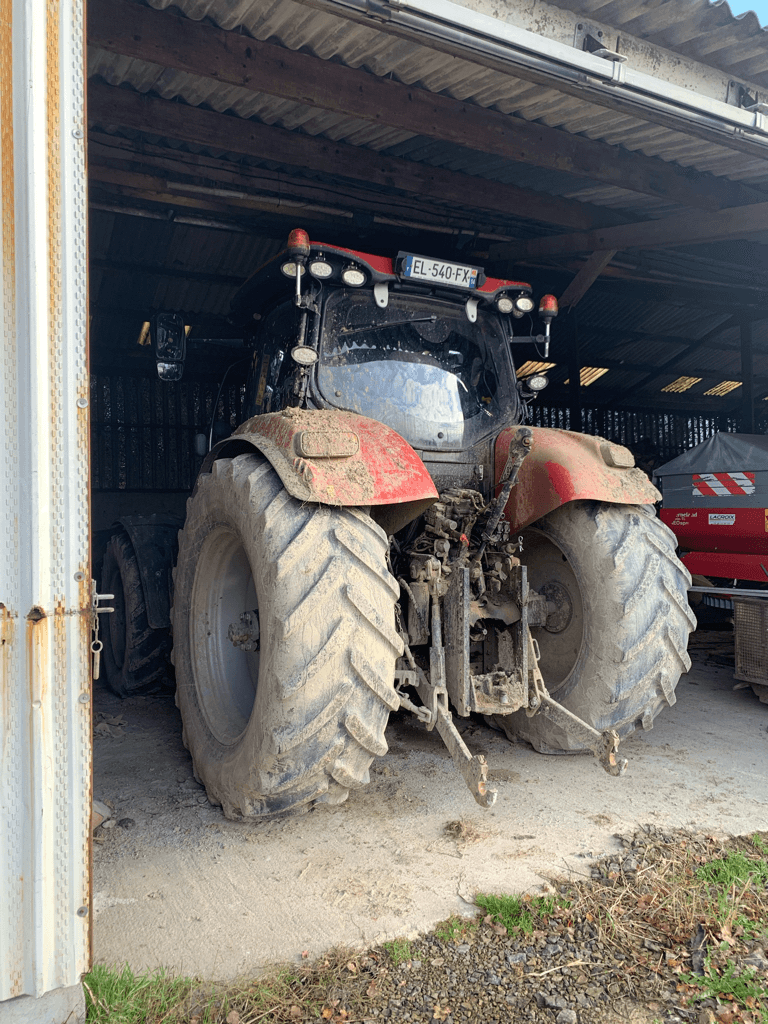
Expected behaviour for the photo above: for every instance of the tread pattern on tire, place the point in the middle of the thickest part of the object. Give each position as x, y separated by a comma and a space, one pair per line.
144, 664
638, 651
325, 597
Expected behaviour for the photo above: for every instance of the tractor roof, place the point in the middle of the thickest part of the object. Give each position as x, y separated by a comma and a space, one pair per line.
269, 282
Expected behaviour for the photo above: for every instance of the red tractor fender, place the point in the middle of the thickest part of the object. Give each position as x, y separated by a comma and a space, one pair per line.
338, 458
565, 466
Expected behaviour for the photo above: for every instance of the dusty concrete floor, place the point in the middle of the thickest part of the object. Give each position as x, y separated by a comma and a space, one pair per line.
179, 886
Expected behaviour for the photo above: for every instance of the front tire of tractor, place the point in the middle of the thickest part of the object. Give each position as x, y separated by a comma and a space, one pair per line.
284, 642
617, 646
135, 657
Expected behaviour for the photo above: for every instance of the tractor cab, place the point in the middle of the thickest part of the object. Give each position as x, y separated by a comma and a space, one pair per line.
419, 344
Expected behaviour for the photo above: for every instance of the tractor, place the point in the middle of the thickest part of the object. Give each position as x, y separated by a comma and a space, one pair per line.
384, 531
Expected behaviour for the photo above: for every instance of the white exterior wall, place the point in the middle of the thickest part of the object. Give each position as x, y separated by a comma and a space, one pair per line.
45, 758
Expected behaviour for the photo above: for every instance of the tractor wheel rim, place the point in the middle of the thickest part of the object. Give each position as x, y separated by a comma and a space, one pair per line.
550, 572
226, 676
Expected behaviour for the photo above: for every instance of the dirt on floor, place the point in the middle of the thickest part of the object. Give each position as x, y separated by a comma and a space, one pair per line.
177, 885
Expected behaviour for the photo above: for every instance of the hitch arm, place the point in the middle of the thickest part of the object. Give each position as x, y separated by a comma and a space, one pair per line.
604, 745
474, 768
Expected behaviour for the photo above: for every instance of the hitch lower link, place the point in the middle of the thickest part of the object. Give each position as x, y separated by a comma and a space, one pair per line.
435, 712
604, 745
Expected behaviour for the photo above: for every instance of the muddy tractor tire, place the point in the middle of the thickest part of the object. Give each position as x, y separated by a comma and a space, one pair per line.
284, 643
615, 649
135, 657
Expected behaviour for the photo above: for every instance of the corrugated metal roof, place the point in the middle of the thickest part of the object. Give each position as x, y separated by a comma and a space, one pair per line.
705, 31
458, 78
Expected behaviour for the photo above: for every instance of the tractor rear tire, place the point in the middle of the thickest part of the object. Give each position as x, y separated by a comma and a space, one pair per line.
135, 657
290, 712
617, 660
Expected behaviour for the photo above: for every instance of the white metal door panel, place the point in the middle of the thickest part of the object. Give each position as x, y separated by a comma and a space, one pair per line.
44, 517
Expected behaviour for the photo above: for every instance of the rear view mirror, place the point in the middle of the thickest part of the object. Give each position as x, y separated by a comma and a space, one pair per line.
169, 344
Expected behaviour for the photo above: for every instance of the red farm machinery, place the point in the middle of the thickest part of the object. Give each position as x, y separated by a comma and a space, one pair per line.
384, 531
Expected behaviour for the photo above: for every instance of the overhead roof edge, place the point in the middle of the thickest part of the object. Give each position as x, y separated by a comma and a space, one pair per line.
704, 30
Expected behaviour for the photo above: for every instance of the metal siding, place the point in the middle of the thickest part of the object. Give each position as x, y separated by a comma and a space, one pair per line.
44, 608
670, 433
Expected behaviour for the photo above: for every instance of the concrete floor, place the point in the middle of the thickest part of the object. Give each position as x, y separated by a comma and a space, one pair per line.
179, 886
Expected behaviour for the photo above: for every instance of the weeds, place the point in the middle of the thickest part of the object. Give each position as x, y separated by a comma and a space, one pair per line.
399, 950
455, 929
693, 888
328, 990
744, 988
519, 914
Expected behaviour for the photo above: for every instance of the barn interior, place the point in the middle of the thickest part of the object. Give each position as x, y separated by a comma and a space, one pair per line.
611, 153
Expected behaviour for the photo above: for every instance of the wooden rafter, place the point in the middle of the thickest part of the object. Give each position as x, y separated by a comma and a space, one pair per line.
109, 153
109, 106
586, 277
669, 232
126, 28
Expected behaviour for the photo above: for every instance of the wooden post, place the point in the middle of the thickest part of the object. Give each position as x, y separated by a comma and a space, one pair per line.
747, 383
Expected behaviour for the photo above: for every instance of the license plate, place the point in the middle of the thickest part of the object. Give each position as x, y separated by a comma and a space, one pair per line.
439, 272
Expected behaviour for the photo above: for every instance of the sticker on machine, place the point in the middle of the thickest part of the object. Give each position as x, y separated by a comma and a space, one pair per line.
719, 485
722, 518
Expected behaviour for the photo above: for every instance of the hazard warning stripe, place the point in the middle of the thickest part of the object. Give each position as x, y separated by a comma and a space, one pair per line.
719, 485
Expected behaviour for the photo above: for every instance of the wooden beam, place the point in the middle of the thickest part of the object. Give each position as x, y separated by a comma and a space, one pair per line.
410, 216
586, 277
574, 373
126, 28
619, 283
126, 268
116, 153
652, 372
676, 364
669, 232
605, 399
108, 106
614, 337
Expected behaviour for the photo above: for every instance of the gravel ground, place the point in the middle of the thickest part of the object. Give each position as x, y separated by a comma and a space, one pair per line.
571, 970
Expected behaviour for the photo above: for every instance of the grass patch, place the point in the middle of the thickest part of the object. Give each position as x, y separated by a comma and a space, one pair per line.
734, 869
399, 950
122, 997
331, 989
519, 913
455, 929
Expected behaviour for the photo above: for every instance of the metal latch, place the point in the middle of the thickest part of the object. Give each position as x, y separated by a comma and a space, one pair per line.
96, 610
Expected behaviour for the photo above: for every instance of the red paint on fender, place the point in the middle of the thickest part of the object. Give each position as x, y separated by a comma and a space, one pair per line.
565, 466
385, 470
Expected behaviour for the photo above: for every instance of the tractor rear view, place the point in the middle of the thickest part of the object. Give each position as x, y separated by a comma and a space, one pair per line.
384, 532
